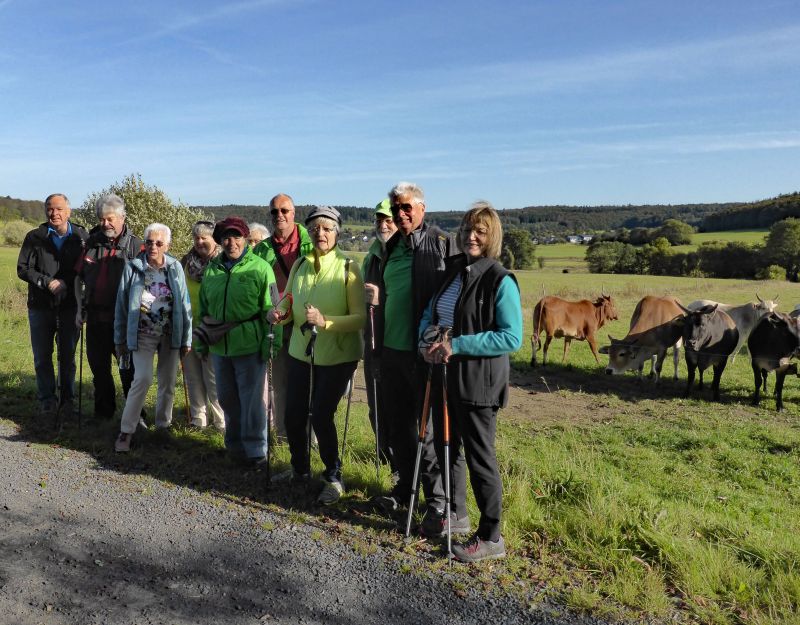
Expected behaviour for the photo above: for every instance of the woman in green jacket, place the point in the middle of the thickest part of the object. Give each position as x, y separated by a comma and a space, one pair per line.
327, 303
235, 291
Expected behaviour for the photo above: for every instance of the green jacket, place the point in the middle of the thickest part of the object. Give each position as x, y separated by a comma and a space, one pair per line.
267, 252
238, 295
340, 300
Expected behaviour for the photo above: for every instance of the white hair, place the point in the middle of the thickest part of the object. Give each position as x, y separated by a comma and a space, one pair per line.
404, 188
109, 203
259, 228
157, 227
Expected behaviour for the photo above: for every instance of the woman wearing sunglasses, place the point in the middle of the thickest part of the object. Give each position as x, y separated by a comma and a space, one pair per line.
153, 315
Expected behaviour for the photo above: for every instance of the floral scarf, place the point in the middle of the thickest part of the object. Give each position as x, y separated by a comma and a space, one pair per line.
194, 265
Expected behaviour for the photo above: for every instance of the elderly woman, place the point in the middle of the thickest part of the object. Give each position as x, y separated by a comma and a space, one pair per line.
476, 319
372, 270
198, 371
152, 315
258, 232
234, 298
327, 294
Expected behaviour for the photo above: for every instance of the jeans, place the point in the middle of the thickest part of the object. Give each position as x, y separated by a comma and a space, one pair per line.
43, 323
329, 384
240, 390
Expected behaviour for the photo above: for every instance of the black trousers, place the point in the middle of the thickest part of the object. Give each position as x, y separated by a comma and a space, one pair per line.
330, 383
403, 382
100, 354
375, 403
475, 428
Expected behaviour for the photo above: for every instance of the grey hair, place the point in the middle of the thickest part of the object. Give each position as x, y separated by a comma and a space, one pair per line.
405, 188
52, 195
157, 227
203, 229
325, 221
257, 227
110, 203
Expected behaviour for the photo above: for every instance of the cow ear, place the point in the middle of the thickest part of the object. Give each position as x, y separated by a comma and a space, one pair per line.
604, 349
612, 339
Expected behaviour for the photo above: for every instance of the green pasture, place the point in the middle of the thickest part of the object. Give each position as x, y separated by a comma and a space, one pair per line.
743, 236
620, 498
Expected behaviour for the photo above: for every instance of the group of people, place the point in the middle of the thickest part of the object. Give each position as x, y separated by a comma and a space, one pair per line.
433, 315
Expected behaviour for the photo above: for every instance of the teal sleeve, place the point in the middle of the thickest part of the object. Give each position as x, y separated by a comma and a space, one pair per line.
508, 319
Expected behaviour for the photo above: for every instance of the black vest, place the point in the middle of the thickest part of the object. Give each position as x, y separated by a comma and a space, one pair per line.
477, 380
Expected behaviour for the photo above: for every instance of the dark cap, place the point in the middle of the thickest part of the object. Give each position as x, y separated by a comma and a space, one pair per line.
230, 223
324, 211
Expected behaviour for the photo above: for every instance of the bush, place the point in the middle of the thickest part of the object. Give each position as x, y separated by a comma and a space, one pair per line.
773, 272
14, 232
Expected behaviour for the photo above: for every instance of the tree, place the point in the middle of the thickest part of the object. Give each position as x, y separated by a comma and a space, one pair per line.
783, 247
147, 204
519, 243
675, 231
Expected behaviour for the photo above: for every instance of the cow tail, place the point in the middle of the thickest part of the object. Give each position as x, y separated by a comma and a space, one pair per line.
537, 322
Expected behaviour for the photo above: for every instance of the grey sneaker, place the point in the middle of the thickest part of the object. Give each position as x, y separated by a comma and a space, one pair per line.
331, 492
123, 443
477, 549
435, 526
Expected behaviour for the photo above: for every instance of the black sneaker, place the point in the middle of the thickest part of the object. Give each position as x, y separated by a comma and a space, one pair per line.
386, 503
477, 549
291, 476
435, 526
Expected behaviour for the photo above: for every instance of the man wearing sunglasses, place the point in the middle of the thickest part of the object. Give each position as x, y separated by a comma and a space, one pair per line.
413, 270
289, 241
99, 271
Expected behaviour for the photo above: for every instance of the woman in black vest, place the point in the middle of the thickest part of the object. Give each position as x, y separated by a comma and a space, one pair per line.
476, 319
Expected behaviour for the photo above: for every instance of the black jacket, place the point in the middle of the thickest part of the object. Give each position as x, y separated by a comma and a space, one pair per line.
431, 247
100, 247
40, 262
476, 380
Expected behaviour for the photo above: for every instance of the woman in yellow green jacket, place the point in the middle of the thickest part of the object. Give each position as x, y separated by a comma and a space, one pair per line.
327, 293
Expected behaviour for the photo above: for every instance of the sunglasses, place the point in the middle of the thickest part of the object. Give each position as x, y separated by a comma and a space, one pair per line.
151, 243
282, 211
406, 208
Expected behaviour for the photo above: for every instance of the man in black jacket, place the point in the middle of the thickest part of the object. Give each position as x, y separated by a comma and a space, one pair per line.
412, 272
47, 263
110, 246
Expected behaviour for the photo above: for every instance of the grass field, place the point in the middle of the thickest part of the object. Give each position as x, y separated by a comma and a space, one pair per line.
620, 498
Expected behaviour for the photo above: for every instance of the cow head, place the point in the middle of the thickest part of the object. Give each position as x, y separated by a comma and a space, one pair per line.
765, 306
608, 312
624, 355
697, 326
785, 331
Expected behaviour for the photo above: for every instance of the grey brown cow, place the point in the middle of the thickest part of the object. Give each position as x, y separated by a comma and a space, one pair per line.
656, 325
560, 318
709, 337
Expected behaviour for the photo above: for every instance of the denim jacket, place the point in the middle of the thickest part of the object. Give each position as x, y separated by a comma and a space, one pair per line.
129, 299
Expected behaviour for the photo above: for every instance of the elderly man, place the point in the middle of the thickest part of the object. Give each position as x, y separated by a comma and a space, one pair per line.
110, 246
47, 263
413, 269
289, 241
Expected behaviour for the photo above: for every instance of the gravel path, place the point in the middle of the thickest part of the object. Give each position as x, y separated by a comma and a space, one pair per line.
80, 543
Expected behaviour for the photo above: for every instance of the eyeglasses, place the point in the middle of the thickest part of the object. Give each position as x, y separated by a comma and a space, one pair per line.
325, 229
282, 211
406, 208
151, 243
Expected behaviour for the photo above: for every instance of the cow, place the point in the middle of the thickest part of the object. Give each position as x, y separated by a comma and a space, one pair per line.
746, 316
569, 320
656, 325
709, 337
772, 345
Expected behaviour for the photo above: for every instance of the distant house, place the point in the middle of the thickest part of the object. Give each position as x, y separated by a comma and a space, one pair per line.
574, 238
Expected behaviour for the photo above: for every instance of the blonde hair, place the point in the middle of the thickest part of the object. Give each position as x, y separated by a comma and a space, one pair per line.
484, 214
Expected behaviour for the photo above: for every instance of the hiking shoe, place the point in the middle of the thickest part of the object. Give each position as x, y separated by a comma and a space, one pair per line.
434, 525
477, 549
386, 503
331, 492
290, 475
123, 443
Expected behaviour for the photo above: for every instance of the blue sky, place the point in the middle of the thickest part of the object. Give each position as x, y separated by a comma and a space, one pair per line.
520, 103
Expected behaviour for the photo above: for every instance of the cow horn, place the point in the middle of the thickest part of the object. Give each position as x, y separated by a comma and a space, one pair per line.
775, 299
759, 298
683, 308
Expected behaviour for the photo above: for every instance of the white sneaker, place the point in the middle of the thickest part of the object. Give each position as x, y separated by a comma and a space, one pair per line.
123, 443
331, 493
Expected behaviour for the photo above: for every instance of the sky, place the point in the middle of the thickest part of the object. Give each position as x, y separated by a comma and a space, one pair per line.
519, 103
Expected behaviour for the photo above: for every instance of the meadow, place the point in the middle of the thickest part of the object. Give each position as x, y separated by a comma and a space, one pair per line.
621, 498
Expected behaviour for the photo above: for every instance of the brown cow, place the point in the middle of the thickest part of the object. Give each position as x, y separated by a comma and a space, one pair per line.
561, 318
656, 325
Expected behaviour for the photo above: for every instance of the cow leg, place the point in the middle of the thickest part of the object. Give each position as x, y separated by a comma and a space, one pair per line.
593, 346
534, 345
700, 379
658, 364
545, 348
757, 381
780, 375
690, 366
718, 369
765, 373
676, 356
567, 342
653, 360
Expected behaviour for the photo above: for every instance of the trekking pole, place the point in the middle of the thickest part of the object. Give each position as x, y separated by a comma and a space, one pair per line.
59, 373
274, 298
80, 382
310, 353
347, 413
187, 409
375, 396
446, 468
420, 442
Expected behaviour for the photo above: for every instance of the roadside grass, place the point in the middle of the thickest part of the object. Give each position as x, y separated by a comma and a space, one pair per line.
620, 499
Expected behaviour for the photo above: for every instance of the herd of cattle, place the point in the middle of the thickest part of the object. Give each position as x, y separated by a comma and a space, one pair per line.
710, 333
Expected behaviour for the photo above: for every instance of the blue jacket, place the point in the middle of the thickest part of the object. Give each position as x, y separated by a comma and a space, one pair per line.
129, 299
